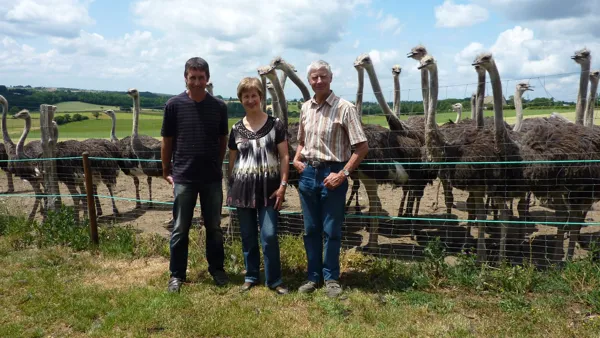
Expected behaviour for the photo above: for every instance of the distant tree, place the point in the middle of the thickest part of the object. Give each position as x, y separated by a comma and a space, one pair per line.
13, 110
3, 89
299, 105
96, 114
67, 118
77, 117
60, 120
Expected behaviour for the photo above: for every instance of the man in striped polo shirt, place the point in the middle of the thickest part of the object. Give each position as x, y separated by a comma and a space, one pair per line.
194, 135
329, 126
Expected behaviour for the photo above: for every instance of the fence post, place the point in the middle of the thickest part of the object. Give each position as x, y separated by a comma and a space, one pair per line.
89, 192
49, 151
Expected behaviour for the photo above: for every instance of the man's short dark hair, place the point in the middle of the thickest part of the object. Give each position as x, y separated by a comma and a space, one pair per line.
198, 64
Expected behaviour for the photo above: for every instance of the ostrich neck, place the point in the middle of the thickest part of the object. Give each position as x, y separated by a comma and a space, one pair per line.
393, 120
113, 135
20, 153
280, 97
480, 98
283, 79
275, 103
209, 89
581, 97
519, 110
458, 115
434, 142
425, 90
359, 90
396, 109
263, 104
589, 111
473, 111
8, 143
135, 139
500, 130
297, 81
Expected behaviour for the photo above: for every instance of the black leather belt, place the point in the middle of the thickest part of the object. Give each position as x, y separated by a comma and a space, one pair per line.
321, 164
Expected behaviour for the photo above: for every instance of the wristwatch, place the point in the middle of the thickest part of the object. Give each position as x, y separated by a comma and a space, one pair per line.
346, 172
284, 183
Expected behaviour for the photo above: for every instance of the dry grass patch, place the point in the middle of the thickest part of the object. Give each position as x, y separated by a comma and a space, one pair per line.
122, 274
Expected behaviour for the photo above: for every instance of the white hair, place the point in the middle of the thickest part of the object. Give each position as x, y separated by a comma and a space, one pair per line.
316, 65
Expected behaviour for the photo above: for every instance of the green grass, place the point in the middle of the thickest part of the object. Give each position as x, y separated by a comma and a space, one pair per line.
53, 286
77, 106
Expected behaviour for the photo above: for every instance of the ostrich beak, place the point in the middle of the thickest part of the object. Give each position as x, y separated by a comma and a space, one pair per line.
475, 63
419, 67
574, 57
530, 88
409, 55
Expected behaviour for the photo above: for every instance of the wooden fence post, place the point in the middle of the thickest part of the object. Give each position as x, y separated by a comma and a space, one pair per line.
49, 151
89, 192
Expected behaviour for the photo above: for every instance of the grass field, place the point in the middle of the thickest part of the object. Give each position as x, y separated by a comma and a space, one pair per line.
77, 106
53, 284
151, 121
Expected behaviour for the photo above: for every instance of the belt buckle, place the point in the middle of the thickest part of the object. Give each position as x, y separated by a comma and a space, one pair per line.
315, 164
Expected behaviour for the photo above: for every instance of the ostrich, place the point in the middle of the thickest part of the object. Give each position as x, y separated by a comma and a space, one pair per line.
473, 106
522, 87
4, 157
418, 53
27, 170
458, 108
144, 147
477, 145
591, 102
381, 149
209, 87
583, 58
126, 152
396, 70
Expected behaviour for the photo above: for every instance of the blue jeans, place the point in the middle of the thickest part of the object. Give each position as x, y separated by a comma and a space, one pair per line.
323, 212
211, 202
267, 218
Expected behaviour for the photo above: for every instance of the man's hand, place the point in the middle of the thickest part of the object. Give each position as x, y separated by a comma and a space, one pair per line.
298, 165
334, 180
279, 196
169, 179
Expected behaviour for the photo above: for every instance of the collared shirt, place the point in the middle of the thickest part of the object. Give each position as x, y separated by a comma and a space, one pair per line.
329, 129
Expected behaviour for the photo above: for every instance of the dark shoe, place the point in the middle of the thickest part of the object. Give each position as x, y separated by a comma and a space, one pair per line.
220, 278
307, 287
333, 288
174, 284
247, 286
281, 290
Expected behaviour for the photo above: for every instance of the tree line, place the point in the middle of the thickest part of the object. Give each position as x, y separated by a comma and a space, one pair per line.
31, 98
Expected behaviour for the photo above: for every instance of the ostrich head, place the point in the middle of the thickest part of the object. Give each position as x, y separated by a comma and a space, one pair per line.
265, 70
396, 70
582, 55
23, 114
109, 112
209, 84
3, 100
484, 60
363, 60
426, 62
270, 86
522, 87
279, 63
595, 75
417, 52
133, 92
457, 106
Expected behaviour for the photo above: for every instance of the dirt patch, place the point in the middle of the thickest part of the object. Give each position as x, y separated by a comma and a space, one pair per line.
122, 274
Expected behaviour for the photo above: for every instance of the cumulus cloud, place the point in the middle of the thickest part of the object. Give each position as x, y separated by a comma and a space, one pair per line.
278, 23
389, 23
451, 15
59, 18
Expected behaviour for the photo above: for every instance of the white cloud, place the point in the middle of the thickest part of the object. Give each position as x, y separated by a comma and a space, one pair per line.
451, 15
356, 44
61, 18
389, 23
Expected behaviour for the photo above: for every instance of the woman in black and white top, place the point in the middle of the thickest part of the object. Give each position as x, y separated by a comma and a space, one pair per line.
258, 171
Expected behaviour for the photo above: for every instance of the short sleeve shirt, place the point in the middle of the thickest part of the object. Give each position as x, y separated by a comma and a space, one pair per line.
196, 128
329, 129
255, 175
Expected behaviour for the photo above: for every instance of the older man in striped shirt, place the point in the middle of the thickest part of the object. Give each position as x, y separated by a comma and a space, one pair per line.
329, 126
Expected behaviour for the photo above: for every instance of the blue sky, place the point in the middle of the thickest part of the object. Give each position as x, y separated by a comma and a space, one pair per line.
115, 45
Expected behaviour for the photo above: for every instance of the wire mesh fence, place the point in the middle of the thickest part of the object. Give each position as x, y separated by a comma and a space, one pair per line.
490, 211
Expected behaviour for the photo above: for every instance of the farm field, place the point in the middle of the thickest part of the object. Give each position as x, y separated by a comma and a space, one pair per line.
77, 106
151, 121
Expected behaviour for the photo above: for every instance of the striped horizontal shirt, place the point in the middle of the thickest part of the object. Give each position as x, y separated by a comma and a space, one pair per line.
328, 130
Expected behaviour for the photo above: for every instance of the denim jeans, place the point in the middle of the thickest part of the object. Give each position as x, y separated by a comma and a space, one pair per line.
211, 202
267, 218
323, 212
